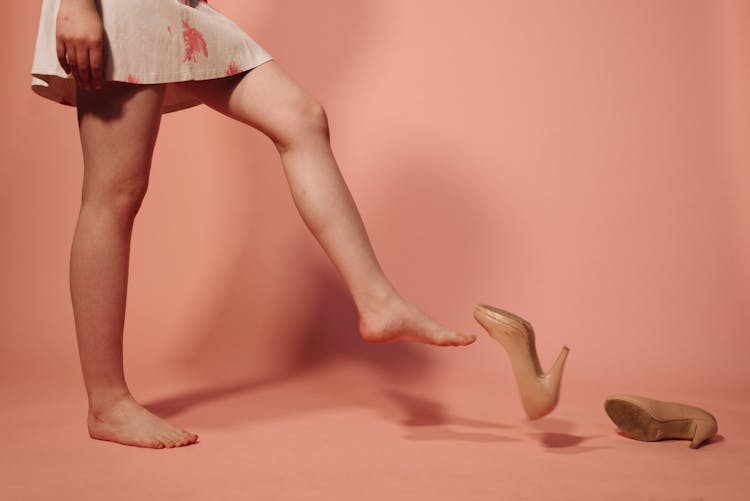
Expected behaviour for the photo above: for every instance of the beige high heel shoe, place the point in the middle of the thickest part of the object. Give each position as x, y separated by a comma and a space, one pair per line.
649, 420
539, 392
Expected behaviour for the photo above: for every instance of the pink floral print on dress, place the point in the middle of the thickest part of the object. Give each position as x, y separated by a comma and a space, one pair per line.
194, 42
233, 69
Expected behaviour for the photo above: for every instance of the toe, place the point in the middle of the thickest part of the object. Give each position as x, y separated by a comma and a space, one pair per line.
468, 338
166, 441
460, 340
184, 438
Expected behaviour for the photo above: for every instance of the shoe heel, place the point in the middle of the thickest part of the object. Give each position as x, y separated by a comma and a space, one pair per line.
553, 380
704, 429
555, 372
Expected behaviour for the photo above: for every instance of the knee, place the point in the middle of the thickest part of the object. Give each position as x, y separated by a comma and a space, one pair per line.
122, 198
308, 122
126, 196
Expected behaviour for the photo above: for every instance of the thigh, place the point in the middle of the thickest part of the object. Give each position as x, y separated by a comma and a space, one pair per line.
118, 125
265, 97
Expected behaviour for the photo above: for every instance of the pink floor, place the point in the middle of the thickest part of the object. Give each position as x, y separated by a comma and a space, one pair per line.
344, 431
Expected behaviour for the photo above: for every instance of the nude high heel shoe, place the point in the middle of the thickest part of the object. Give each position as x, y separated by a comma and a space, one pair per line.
649, 420
539, 392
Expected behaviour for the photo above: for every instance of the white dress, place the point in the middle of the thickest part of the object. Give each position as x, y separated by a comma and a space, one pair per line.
150, 41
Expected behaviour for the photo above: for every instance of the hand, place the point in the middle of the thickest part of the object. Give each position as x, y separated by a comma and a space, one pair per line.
80, 42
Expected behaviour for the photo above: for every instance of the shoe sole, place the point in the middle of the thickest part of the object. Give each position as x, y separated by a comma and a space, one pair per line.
638, 423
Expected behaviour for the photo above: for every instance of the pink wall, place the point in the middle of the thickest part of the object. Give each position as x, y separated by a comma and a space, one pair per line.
583, 163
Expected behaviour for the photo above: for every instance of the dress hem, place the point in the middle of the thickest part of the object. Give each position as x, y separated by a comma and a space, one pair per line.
63, 91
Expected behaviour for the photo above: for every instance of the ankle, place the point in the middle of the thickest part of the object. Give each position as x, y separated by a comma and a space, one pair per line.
377, 300
102, 402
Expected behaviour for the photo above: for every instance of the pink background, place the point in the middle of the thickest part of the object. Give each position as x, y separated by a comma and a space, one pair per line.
581, 163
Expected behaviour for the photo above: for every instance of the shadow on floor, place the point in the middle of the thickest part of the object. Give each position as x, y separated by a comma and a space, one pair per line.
554, 434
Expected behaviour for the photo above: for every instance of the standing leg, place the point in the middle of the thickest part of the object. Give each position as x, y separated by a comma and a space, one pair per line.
269, 100
118, 127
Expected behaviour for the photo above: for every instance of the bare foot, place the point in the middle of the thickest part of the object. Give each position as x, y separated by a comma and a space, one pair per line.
127, 422
398, 320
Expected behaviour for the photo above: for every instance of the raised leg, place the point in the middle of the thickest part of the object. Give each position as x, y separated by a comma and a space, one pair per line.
269, 100
118, 127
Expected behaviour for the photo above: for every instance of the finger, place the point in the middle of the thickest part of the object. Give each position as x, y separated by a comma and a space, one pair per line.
72, 61
83, 66
61, 56
96, 58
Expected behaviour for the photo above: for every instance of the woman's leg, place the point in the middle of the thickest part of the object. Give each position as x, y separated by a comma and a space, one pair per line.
269, 100
118, 126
